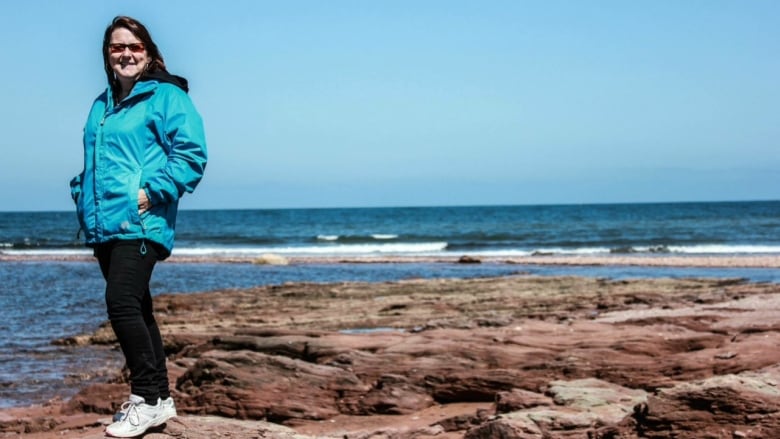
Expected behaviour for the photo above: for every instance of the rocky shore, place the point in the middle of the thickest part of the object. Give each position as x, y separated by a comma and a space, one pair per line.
510, 357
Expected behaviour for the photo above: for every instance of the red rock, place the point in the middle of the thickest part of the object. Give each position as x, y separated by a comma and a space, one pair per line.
390, 394
98, 398
518, 399
465, 259
554, 357
719, 406
251, 385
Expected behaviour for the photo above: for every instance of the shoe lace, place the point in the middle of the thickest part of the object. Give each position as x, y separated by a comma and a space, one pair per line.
128, 408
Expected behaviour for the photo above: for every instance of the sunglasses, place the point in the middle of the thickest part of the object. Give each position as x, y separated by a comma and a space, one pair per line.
119, 48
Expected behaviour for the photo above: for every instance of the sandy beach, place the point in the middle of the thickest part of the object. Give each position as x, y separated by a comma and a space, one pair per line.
725, 261
514, 357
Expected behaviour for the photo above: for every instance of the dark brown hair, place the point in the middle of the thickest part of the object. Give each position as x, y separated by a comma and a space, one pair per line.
156, 62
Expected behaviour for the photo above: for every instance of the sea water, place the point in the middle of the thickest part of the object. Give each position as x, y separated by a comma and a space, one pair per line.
673, 228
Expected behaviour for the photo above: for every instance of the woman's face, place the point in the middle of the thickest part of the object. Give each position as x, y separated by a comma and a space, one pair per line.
127, 55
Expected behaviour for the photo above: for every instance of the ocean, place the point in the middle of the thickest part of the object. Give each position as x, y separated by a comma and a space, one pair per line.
46, 299
675, 228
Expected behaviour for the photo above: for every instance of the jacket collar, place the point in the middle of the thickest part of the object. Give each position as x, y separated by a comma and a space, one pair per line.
140, 87
164, 76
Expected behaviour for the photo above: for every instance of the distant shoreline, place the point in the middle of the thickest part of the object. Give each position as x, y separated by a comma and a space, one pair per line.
71, 211
709, 261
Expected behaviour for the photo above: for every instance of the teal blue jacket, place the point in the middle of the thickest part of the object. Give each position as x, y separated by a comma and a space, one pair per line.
152, 140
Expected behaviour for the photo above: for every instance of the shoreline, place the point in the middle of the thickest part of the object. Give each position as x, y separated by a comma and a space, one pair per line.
697, 261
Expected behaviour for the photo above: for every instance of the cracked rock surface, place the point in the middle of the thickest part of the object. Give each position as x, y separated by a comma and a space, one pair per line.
511, 357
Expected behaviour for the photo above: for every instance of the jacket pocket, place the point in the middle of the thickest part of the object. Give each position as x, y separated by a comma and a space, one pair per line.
118, 209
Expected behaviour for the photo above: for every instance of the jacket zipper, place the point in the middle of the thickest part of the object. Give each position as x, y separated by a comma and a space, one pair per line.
143, 231
98, 147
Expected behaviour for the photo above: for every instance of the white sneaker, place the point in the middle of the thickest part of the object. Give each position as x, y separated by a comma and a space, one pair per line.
168, 411
138, 417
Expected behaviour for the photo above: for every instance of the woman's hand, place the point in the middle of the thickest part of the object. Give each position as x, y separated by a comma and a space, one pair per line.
143, 202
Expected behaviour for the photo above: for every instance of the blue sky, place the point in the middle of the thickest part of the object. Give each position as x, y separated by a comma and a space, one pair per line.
407, 103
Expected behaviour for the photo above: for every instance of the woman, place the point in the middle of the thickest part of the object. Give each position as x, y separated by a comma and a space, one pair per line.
144, 147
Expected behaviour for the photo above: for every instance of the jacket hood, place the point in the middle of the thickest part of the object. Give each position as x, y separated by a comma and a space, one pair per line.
163, 76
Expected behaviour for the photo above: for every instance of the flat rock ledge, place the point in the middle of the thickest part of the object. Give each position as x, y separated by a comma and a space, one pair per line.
512, 357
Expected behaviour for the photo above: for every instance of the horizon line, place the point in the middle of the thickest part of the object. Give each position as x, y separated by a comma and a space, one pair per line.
435, 206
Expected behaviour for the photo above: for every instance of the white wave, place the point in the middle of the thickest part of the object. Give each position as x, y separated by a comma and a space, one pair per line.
47, 252
725, 249
6, 245
408, 249
704, 249
344, 249
327, 237
541, 251
384, 236
425, 248
651, 249
576, 251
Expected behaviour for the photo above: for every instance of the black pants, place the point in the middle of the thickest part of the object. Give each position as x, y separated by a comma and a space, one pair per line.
127, 267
